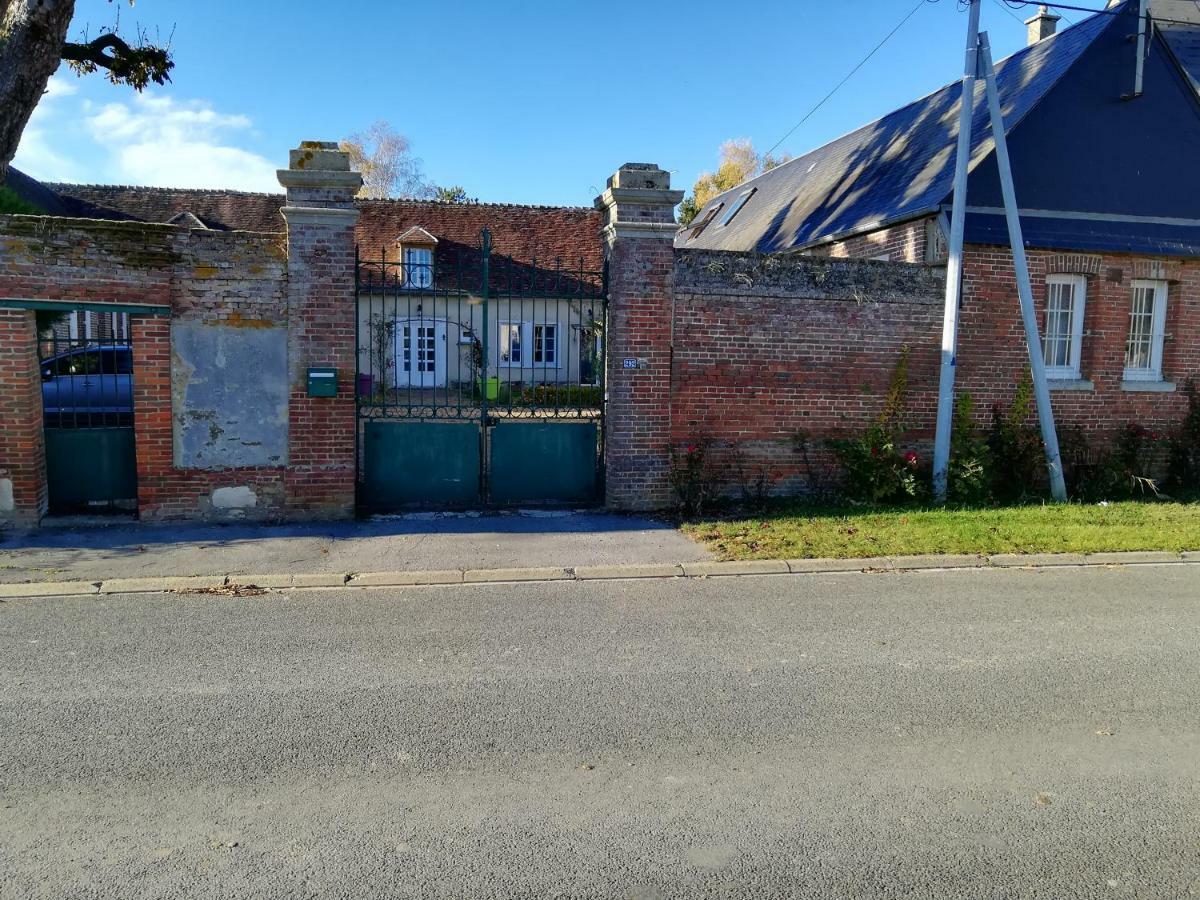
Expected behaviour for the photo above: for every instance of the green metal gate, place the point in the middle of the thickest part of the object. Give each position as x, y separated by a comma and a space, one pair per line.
87, 411
480, 379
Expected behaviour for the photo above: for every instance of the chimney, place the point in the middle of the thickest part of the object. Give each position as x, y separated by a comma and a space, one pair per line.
1042, 25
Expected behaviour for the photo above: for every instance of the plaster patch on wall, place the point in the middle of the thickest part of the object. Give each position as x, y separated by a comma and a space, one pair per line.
7, 504
231, 498
229, 395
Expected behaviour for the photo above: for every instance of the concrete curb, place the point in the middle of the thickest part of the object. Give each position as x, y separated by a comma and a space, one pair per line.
706, 569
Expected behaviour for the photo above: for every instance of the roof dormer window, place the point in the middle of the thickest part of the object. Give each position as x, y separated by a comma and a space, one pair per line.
418, 267
416, 255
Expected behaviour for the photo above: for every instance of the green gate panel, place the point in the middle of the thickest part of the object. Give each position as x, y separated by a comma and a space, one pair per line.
90, 465
543, 462
420, 464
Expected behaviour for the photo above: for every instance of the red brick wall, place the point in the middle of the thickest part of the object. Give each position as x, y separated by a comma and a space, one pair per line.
22, 450
993, 357
208, 276
769, 348
765, 348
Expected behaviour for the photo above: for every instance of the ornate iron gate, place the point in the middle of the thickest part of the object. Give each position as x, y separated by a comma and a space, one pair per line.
87, 410
480, 380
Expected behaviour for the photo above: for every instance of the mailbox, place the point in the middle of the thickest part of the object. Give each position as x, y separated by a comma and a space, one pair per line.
322, 382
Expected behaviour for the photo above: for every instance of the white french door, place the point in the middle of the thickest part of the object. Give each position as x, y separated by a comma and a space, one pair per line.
420, 353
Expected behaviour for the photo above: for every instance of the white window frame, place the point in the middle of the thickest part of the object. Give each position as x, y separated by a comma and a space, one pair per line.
1158, 329
555, 363
418, 267
1071, 371
504, 343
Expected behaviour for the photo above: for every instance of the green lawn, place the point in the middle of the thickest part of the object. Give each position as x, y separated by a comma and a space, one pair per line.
805, 532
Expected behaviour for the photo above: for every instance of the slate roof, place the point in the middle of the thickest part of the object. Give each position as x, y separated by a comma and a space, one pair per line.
1184, 42
897, 168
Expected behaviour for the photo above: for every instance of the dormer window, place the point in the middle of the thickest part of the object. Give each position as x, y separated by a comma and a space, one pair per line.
416, 257
418, 267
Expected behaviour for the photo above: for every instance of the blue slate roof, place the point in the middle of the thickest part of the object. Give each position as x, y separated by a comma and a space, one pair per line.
1185, 44
896, 168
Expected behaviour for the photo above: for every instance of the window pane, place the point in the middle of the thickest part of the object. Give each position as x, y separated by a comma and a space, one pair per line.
510, 343
1138, 350
1059, 337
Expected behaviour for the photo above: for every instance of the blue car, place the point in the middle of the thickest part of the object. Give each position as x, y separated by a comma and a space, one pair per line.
91, 387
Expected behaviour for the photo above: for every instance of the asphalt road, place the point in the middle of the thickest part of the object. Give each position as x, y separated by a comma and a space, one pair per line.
965, 734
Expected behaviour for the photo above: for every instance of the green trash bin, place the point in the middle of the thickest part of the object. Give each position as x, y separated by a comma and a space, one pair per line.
492, 387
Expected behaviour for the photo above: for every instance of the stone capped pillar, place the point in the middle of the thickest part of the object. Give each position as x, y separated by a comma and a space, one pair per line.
639, 229
22, 445
321, 215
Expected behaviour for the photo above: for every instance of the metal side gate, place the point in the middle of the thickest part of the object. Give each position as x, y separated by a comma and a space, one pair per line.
480, 380
87, 408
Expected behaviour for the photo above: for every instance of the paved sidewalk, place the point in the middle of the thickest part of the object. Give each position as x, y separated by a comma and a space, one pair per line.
417, 542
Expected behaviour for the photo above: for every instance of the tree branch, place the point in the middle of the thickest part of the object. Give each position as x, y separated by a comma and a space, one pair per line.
135, 66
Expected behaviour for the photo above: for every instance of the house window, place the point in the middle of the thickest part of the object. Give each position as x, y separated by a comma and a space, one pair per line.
418, 267
1147, 326
737, 206
545, 345
1065, 297
511, 344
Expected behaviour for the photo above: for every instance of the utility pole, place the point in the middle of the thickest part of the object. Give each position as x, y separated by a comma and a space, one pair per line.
1037, 364
954, 265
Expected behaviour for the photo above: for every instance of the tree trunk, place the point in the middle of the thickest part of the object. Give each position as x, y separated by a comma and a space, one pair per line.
32, 34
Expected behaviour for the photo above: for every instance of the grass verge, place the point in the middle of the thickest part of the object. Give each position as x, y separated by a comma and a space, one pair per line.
800, 532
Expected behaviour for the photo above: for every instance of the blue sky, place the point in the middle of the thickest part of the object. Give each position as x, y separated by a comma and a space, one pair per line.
525, 102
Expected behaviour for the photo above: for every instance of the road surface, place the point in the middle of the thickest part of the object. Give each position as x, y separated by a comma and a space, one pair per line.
956, 734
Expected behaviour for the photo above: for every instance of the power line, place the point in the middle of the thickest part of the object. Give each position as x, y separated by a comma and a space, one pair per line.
851, 74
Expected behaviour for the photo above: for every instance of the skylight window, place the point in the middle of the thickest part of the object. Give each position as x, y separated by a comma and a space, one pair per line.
704, 223
737, 207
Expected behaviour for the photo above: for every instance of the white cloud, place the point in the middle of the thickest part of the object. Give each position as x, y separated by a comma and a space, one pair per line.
152, 140
163, 142
37, 154
60, 86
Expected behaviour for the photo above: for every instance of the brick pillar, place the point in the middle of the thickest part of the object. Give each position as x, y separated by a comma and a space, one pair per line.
639, 217
320, 215
22, 444
153, 428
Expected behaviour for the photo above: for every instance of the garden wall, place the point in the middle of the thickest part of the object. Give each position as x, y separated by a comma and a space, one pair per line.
224, 327
770, 349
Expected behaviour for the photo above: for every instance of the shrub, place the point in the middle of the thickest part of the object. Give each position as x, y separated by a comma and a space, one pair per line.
11, 203
876, 469
1134, 453
1184, 445
691, 477
1015, 447
1118, 473
820, 479
561, 396
969, 477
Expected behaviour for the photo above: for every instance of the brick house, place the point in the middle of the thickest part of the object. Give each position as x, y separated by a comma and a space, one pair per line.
1110, 197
